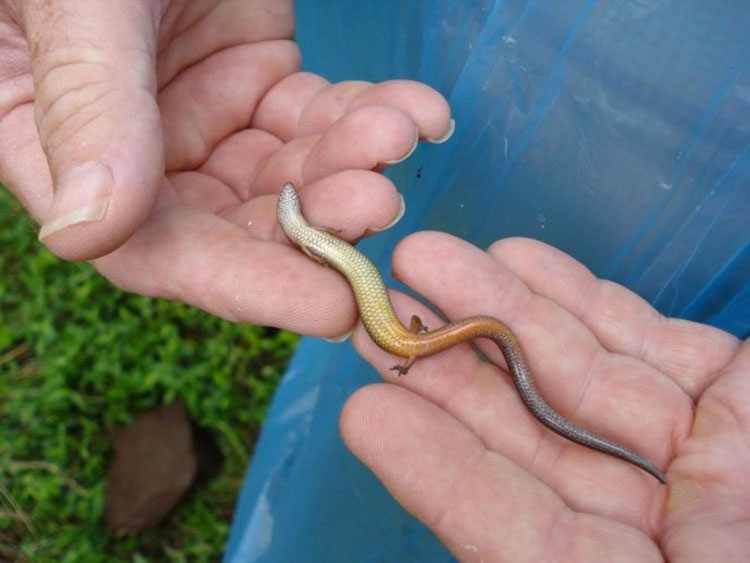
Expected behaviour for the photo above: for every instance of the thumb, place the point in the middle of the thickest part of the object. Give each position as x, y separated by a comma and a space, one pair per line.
98, 120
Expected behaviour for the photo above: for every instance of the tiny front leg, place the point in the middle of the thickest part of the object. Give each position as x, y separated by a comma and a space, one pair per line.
402, 369
309, 253
416, 325
314, 256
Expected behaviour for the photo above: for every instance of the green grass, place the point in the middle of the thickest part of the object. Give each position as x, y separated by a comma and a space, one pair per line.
78, 356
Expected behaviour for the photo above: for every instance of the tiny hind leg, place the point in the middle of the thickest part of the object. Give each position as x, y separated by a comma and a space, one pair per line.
402, 369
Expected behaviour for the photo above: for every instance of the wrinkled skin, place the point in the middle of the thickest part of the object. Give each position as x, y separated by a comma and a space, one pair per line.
151, 137
210, 91
455, 446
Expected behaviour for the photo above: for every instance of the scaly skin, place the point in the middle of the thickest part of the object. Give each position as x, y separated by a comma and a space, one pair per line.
386, 330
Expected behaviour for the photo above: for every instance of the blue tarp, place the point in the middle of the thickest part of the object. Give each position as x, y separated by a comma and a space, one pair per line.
615, 131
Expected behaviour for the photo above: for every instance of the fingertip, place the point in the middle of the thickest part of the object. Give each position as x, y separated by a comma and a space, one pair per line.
353, 417
82, 195
418, 242
87, 240
358, 202
418, 249
368, 137
91, 214
399, 215
520, 246
365, 422
426, 107
445, 137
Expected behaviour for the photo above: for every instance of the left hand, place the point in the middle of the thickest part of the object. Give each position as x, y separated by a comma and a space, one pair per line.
152, 137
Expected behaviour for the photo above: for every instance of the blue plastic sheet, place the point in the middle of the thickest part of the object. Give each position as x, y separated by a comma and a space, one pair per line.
615, 131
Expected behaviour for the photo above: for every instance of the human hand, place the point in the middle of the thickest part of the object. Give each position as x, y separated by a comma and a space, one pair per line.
453, 443
169, 127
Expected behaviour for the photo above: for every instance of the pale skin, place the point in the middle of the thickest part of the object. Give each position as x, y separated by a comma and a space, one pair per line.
199, 113
455, 446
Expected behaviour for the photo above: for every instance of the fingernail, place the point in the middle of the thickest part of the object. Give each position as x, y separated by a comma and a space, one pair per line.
408, 154
399, 215
81, 194
338, 339
448, 134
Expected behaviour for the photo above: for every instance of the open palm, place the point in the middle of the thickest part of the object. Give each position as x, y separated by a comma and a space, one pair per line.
455, 446
209, 92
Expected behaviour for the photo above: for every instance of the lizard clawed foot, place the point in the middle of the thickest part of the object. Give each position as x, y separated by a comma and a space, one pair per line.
402, 370
416, 326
